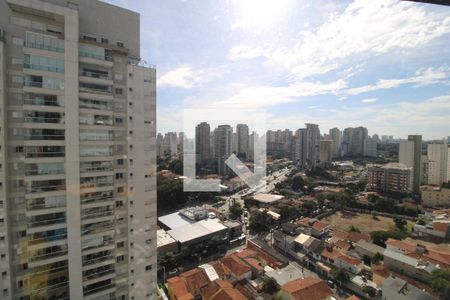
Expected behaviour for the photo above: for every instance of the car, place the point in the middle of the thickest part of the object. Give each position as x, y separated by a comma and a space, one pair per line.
173, 272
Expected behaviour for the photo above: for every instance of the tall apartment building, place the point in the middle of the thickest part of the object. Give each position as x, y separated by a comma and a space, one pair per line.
159, 145
437, 154
336, 136
202, 142
222, 145
392, 177
326, 152
170, 144
370, 147
355, 138
77, 138
410, 154
297, 145
242, 139
311, 146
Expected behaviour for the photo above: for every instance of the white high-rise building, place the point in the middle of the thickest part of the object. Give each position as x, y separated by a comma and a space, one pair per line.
437, 154
370, 147
202, 142
77, 156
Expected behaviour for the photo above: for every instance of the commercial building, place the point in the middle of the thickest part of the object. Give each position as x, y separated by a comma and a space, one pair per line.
391, 177
78, 115
433, 196
202, 142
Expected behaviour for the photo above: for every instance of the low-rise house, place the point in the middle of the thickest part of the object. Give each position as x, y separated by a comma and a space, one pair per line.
329, 255
351, 264
238, 268
395, 288
419, 252
308, 245
408, 265
309, 288
284, 242
435, 231
178, 290
351, 236
221, 290
367, 249
313, 227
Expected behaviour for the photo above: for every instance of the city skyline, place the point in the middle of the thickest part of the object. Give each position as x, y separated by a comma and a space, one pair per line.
286, 57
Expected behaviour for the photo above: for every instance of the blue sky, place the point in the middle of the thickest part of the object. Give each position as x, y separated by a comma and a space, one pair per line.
380, 64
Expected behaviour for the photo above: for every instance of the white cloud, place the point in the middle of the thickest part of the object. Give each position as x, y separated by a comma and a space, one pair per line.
369, 100
266, 96
428, 117
183, 77
421, 78
365, 27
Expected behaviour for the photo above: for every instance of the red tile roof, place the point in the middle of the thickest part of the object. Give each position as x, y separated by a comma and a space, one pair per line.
403, 246
442, 227
409, 249
177, 289
304, 222
381, 271
221, 290
252, 262
318, 225
246, 253
236, 266
221, 269
309, 288
350, 260
353, 298
333, 254
195, 279
341, 244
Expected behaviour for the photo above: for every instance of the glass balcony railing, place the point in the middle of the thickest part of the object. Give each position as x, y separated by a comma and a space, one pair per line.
42, 46
44, 154
32, 258
58, 120
42, 189
43, 68
95, 56
43, 101
46, 222
44, 85
97, 289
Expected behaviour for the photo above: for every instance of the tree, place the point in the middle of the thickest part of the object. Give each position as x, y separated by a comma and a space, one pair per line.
400, 223
421, 222
369, 291
298, 183
260, 221
352, 228
377, 258
288, 212
169, 261
236, 210
270, 285
340, 276
379, 237
440, 282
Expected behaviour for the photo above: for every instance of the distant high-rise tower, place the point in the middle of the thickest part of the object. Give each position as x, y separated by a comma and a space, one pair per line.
171, 144
222, 145
78, 121
311, 145
410, 154
437, 154
242, 139
326, 152
355, 139
336, 137
202, 142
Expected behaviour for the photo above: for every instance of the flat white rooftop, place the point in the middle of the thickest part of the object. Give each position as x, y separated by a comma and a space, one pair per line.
267, 198
175, 220
196, 230
163, 238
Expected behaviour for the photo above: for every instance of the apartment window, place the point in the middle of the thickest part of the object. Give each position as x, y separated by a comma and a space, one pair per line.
148, 268
130, 75
119, 176
119, 120
120, 244
89, 37
19, 149
105, 41
120, 189
120, 258
130, 89
120, 44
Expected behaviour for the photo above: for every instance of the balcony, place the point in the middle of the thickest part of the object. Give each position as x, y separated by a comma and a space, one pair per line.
45, 186
42, 100
43, 46
57, 120
46, 222
46, 239
97, 75
44, 85
43, 68
98, 287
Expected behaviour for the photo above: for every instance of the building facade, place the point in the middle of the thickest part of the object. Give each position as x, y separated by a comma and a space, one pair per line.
78, 115
223, 147
242, 140
410, 154
437, 154
336, 137
392, 177
202, 142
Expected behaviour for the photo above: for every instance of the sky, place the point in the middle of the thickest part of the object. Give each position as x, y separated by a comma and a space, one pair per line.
380, 64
